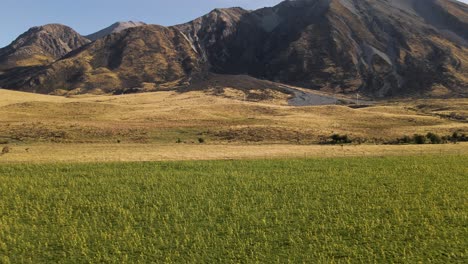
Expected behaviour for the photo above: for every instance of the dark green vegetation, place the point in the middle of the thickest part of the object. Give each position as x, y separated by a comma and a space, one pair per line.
429, 138
318, 210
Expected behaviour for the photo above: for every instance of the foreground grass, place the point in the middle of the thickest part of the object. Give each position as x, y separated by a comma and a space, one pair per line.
406, 209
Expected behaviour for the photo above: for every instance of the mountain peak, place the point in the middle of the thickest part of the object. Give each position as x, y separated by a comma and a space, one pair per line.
40, 45
115, 28
127, 24
52, 26
228, 10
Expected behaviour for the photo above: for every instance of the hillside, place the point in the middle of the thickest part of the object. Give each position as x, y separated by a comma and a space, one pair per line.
230, 116
379, 48
147, 56
382, 48
40, 46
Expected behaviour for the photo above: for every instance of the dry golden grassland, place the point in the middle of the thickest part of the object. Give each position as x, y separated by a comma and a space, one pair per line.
147, 126
102, 152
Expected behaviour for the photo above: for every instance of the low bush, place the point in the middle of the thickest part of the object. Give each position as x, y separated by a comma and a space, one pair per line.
430, 138
405, 140
419, 139
5, 150
456, 137
434, 138
340, 139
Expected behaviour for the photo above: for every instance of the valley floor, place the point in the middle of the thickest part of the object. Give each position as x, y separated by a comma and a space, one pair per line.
168, 125
98, 152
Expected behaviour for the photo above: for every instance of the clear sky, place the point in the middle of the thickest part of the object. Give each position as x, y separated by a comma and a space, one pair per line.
89, 16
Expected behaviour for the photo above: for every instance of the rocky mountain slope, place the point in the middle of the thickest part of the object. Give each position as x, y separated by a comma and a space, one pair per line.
142, 57
40, 46
114, 28
380, 48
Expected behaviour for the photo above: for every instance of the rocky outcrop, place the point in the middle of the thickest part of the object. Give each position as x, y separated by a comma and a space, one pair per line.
209, 34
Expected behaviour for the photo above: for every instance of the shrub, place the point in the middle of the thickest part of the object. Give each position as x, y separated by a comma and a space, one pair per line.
338, 139
179, 141
463, 138
405, 140
6, 150
419, 139
434, 138
456, 137
201, 140
430, 138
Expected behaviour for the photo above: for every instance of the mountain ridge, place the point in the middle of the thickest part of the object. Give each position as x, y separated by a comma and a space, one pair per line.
117, 27
41, 45
344, 46
379, 48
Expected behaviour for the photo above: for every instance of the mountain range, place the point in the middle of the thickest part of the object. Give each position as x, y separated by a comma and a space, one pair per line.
381, 48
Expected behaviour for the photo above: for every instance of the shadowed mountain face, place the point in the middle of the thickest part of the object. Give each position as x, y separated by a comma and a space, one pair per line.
210, 34
114, 28
40, 46
381, 48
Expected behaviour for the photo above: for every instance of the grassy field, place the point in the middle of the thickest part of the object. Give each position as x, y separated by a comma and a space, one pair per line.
167, 116
103, 152
372, 210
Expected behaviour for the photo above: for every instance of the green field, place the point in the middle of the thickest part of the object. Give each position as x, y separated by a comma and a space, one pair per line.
411, 209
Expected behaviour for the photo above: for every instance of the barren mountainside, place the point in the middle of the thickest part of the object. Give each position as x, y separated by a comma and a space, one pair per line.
40, 46
380, 48
146, 56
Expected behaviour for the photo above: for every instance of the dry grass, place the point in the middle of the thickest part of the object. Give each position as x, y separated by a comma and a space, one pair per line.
161, 118
46, 153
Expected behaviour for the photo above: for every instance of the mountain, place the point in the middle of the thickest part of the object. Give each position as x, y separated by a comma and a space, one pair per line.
209, 33
380, 48
147, 56
114, 28
40, 46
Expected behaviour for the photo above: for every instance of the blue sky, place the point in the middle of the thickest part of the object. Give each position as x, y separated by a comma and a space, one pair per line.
88, 16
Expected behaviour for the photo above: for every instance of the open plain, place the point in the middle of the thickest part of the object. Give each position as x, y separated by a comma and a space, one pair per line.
228, 175
171, 125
